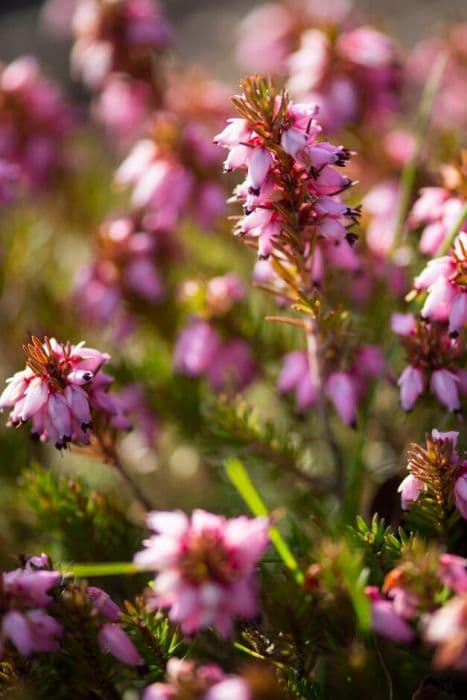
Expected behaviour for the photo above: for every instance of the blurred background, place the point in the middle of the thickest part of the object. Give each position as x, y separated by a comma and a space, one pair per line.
205, 29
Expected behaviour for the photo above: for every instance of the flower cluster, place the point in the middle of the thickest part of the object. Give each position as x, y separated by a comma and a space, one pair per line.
34, 120
351, 71
117, 36
111, 637
62, 390
291, 191
436, 211
449, 110
208, 682
344, 389
206, 567
445, 281
125, 268
435, 362
408, 607
437, 472
25, 595
172, 174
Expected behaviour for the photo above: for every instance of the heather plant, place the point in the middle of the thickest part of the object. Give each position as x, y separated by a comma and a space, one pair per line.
252, 483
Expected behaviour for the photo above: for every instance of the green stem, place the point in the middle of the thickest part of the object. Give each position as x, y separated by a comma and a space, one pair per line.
107, 569
410, 170
241, 481
455, 230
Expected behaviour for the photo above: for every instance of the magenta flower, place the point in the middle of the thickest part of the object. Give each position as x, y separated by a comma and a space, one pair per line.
34, 120
24, 595
205, 683
206, 567
386, 621
196, 347
59, 391
453, 572
114, 640
433, 357
297, 376
342, 391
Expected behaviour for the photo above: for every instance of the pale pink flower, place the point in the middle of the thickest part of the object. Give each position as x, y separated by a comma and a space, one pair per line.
444, 384
403, 324
206, 566
412, 385
442, 279
342, 391
410, 489
447, 631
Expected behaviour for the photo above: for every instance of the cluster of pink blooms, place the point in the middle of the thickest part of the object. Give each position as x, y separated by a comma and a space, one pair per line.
449, 108
125, 267
351, 72
62, 390
34, 120
445, 281
436, 212
209, 682
311, 163
396, 614
116, 36
111, 637
435, 362
25, 594
114, 54
201, 352
345, 389
412, 486
173, 174
206, 566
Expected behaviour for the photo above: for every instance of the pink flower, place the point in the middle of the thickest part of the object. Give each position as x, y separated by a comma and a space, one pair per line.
460, 495
296, 376
232, 365
223, 292
412, 385
446, 630
196, 347
386, 621
403, 324
205, 682
444, 384
114, 640
25, 592
410, 489
206, 567
111, 36
31, 632
60, 389
442, 279
453, 572
342, 391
